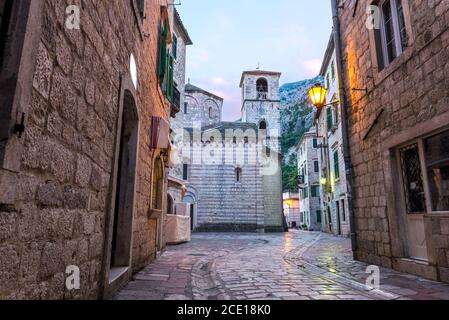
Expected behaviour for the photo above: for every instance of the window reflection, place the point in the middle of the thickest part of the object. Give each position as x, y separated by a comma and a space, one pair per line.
436, 151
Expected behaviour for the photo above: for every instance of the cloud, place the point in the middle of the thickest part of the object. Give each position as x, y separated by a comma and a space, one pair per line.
312, 67
219, 81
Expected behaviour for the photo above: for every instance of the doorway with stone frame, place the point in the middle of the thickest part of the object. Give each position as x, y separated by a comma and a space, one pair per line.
125, 188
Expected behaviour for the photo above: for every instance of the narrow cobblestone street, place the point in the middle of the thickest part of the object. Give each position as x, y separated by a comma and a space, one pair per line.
292, 266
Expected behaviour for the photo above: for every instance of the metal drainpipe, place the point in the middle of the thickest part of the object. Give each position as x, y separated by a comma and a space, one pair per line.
344, 123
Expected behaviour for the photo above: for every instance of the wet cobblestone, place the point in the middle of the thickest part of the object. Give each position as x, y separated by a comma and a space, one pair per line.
292, 266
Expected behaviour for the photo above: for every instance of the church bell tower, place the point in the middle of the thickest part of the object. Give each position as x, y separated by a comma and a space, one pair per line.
261, 103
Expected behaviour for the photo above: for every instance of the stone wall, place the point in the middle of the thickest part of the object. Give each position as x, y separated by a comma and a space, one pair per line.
413, 93
55, 207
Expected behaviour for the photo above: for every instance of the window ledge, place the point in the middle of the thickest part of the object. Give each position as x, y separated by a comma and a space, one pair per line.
393, 66
442, 214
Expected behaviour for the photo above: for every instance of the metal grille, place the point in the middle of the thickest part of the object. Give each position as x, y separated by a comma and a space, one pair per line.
413, 179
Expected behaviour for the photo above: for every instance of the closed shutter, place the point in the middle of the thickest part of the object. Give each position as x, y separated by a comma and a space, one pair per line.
162, 52
329, 119
175, 46
170, 77
336, 166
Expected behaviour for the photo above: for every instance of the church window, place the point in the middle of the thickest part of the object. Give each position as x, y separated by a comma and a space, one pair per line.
185, 172
262, 89
234, 140
268, 152
186, 107
246, 140
263, 125
211, 113
238, 175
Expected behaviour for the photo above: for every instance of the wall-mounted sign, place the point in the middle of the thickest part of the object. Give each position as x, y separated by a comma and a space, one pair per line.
160, 133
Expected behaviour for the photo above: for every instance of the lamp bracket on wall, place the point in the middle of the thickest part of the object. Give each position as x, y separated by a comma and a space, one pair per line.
364, 90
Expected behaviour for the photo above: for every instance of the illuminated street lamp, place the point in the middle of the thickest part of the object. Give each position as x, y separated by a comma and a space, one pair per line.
317, 95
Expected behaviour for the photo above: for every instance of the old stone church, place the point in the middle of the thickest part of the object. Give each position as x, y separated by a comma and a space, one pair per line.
232, 170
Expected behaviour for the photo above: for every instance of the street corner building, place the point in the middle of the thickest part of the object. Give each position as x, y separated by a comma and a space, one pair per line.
86, 93
240, 189
395, 79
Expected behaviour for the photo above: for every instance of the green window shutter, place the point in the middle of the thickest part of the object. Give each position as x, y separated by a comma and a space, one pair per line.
336, 166
170, 77
318, 216
315, 143
175, 46
317, 166
163, 52
329, 119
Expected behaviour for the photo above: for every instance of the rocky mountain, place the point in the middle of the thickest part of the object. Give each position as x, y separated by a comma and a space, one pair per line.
296, 118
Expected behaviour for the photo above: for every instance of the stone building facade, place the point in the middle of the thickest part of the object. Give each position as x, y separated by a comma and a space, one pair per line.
334, 199
309, 192
82, 174
398, 131
232, 169
176, 187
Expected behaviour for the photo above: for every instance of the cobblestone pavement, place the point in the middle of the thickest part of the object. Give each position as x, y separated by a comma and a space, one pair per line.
292, 266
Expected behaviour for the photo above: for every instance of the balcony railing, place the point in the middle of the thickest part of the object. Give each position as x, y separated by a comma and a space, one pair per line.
175, 103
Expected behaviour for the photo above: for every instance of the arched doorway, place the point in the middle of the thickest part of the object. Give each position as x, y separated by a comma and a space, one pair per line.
125, 184
189, 199
170, 209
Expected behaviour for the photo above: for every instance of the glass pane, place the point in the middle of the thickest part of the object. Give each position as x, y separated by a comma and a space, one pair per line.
437, 161
401, 20
413, 182
389, 31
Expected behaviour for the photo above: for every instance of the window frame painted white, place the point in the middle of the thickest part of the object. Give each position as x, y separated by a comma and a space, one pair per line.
396, 31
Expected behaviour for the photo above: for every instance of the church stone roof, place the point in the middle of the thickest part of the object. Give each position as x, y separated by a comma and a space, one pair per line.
190, 88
